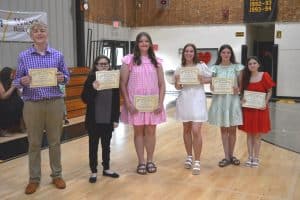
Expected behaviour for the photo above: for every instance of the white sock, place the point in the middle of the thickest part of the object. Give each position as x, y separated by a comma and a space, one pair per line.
108, 171
94, 175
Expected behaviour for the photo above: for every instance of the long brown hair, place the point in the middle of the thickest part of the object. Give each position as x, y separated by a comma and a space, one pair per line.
246, 74
136, 51
232, 57
195, 59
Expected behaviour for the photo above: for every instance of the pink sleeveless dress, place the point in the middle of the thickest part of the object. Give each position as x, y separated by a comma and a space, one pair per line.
143, 80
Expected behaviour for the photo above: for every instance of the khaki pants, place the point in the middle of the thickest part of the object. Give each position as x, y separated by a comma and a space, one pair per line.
39, 116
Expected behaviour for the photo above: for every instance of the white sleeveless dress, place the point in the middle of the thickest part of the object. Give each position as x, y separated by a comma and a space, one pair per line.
191, 102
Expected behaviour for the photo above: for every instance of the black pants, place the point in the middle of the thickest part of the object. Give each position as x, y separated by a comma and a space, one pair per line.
103, 132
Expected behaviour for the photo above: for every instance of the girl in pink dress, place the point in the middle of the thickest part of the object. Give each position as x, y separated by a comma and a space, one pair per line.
142, 74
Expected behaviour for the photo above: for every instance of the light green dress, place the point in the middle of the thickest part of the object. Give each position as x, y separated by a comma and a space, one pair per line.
225, 109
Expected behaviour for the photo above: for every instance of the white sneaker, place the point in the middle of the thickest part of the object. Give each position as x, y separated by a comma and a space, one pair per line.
196, 167
188, 162
248, 163
255, 162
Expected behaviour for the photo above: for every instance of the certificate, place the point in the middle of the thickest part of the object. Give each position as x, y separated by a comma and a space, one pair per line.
222, 85
146, 103
108, 79
43, 77
254, 99
189, 75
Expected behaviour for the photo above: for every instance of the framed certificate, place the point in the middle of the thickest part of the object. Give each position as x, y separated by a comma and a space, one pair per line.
222, 85
146, 103
108, 79
189, 75
254, 99
43, 77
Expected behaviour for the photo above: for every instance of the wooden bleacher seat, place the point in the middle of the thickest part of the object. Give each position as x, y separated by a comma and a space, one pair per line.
75, 107
17, 144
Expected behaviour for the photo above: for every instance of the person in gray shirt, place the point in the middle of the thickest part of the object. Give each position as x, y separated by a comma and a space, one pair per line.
102, 116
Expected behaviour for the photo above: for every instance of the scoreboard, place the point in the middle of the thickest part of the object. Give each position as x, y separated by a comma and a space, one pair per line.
260, 10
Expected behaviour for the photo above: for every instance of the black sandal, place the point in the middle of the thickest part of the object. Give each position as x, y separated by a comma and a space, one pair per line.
141, 169
151, 167
234, 161
224, 163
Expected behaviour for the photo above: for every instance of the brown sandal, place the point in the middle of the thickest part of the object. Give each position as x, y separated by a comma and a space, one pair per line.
151, 168
141, 169
224, 163
234, 161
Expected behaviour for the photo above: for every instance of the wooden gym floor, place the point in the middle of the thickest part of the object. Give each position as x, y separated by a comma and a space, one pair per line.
278, 176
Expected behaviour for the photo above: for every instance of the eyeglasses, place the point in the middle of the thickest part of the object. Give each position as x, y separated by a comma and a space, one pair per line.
102, 64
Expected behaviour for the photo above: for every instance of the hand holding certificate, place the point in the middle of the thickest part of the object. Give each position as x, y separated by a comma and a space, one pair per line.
254, 99
108, 79
189, 75
147, 103
222, 86
43, 77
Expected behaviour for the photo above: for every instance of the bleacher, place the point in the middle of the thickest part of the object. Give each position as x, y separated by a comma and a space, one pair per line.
17, 144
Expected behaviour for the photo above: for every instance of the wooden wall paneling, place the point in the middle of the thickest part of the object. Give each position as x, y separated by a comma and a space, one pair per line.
105, 12
129, 13
161, 17
189, 12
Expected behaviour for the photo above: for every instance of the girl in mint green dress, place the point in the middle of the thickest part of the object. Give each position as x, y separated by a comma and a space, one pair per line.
225, 110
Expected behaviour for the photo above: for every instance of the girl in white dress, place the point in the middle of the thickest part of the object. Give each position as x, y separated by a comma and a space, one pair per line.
191, 107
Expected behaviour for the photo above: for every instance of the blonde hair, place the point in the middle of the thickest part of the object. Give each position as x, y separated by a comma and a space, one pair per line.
37, 24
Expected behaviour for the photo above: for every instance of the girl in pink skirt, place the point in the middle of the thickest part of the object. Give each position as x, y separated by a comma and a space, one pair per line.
142, 74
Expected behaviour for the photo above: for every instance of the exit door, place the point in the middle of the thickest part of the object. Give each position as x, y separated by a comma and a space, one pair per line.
115, 50
267, 53
263, 50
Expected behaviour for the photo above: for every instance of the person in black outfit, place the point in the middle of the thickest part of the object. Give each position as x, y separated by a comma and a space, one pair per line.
102, 116
11, 104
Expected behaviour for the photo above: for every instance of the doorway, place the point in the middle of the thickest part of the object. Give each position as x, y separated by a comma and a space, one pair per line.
260, 43
113, 49
263, 50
